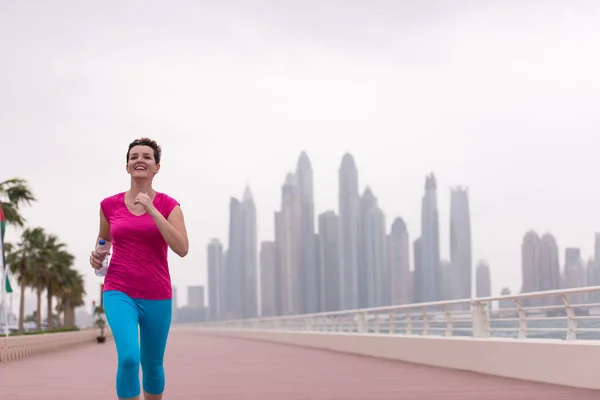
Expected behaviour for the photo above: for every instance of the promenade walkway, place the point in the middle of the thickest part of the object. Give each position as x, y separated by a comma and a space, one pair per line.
216, 368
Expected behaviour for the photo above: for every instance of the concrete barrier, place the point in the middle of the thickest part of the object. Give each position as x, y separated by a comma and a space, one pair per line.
570, 363
14, 348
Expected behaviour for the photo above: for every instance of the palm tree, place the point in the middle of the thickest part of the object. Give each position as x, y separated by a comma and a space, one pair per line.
72, 296
60, 263
13, 194
23, 259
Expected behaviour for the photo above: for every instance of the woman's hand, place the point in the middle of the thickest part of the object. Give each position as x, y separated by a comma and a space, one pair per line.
95, 260
146, 202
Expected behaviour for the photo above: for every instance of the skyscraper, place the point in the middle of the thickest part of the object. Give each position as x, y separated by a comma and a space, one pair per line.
399, 263
428, 281
483, 279
241, 268
549, 269
249, 257
373, 279
287, 238
575, 275
234, 266
308, 258
530, 254
349, 208
196, 296
329, 261
460, 244
268, 276
216, 271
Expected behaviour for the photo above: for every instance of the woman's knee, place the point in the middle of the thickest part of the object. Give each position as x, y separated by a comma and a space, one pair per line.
129, 361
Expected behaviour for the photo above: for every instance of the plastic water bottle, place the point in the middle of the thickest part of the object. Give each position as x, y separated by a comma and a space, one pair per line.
102, 252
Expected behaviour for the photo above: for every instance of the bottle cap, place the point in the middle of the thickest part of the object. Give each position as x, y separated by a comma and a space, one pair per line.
102, 242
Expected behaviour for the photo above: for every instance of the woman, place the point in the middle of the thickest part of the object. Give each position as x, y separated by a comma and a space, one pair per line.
140, 225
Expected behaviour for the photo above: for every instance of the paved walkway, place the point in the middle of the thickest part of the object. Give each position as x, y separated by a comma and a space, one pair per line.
212, 368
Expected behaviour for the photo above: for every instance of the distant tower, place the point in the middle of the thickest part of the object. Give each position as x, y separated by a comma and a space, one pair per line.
329, 261
483, 279
216, 271
349, 208
460, 244
399, 263
308, 258
288, 241
427, 281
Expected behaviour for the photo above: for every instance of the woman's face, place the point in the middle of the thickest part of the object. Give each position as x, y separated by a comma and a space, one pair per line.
141, 163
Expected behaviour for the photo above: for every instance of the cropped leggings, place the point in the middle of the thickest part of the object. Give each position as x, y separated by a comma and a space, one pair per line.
124, 314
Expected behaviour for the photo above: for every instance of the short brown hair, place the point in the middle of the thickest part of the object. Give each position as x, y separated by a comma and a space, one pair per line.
146, 142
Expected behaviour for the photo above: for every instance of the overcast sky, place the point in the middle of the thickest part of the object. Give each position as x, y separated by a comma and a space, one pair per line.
500, 96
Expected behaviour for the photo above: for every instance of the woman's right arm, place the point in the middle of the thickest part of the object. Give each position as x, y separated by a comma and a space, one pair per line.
104, 230
104, 233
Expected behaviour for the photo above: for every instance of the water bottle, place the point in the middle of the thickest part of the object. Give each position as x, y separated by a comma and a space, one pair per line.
102, 252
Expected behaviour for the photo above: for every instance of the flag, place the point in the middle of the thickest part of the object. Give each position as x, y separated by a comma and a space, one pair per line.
2, 258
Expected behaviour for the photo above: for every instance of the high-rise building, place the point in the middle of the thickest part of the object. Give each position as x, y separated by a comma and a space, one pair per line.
241, 268
399, 263
308, 257
234, 266
460, 244
216, 275
530, 264
416, 273
268, 276
549, 270
445, 281
349, 209
483, 279
575, 274
329, 261
196, 296
373, 272
287, 238
249, 256
174, 303
427, 280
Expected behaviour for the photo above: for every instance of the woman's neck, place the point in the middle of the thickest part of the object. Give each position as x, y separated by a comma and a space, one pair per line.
141, 187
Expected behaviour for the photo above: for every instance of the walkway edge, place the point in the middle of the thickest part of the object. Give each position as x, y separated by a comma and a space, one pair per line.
566, 363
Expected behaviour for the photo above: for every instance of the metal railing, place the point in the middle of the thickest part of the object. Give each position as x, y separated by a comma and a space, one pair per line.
570, 314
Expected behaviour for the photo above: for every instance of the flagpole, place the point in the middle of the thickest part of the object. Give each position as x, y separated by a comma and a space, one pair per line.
3, 295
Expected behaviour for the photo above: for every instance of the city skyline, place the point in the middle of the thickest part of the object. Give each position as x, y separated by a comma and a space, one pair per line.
406, 88
379, 271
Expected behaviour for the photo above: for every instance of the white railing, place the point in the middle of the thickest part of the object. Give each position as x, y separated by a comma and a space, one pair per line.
568, 314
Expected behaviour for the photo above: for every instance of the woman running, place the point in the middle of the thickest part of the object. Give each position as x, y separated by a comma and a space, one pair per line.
140, 225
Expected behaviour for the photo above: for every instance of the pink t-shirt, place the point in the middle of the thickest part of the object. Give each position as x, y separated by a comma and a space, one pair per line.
138, 265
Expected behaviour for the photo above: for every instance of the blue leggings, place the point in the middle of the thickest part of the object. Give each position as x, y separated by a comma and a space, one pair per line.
154, 318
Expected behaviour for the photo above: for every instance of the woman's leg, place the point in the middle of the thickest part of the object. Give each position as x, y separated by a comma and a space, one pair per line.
155, 322
122, 316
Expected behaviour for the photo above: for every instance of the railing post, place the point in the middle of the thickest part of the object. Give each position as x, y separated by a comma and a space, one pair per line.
392, 324
408, 323
481, 323
362, 322
448, 317
522, 319
571, 321
425, 318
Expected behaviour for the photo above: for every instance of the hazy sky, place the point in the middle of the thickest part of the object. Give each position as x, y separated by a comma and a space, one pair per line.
499, 96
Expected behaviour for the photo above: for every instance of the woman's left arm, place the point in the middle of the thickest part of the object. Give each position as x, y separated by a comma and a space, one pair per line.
173, 230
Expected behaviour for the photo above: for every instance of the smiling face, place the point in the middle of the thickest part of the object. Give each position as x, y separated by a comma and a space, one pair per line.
141, 163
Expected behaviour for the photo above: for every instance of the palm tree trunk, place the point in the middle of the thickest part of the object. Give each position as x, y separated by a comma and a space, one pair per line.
49, 298
22, 309
39, 309
59, 313
70, 313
